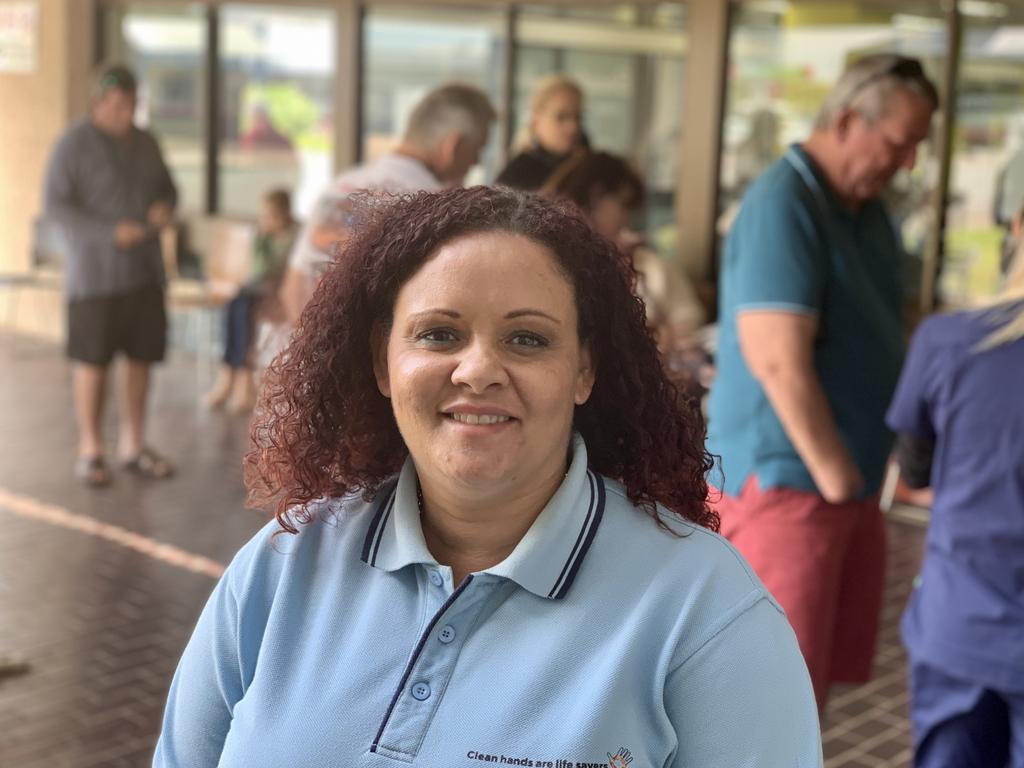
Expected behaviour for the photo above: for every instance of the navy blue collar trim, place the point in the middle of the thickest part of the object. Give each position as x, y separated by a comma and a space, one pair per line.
595, 511
371, 546
591, 521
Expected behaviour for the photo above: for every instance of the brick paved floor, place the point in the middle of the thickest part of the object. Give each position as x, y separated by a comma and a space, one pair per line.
102, 618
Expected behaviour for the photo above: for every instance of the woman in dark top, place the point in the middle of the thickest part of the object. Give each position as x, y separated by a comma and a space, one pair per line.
553, 133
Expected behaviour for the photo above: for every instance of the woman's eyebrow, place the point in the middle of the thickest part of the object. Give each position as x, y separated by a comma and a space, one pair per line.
535, 312
435, 311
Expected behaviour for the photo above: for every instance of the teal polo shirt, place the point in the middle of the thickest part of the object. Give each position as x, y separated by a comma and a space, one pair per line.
795, 248
602, 640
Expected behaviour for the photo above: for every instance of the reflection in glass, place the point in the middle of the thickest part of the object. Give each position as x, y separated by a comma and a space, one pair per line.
408, 52
782, 64
277, 121
166, 49
987, 173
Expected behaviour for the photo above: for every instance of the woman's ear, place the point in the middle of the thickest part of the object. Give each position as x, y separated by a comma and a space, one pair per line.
585, 376
379, 351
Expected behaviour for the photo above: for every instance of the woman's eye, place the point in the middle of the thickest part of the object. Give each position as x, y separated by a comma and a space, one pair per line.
529, 340
437, 336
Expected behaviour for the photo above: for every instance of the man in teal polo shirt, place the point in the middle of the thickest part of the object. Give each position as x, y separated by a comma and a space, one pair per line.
809, 355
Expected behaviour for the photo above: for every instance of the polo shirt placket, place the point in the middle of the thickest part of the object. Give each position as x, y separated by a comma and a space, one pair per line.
394, 540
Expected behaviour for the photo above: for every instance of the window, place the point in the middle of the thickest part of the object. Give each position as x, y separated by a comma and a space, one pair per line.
629, 62
409, 51
166, 47
276, 115
987, 173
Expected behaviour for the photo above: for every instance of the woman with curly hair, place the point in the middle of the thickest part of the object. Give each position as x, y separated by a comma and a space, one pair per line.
492, 540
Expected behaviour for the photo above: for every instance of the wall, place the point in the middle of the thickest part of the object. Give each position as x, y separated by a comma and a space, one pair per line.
40, 105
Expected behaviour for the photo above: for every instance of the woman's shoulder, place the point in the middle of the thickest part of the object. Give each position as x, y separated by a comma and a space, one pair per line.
335, 524
680, 573
961, 329
668, 547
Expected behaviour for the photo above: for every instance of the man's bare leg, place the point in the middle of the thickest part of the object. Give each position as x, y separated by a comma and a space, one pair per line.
88, 390
88, 386
132, 393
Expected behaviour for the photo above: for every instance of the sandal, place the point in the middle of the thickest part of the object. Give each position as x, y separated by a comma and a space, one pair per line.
12, 666
149, 464
93, 471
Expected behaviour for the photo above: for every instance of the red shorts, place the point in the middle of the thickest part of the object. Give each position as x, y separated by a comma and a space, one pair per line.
825, 564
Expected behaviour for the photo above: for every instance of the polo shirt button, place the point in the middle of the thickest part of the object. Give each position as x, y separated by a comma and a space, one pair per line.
436, 579
420, 691
447, 634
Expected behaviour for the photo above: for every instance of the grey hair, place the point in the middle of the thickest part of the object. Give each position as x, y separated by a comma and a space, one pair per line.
453, 108
865, 89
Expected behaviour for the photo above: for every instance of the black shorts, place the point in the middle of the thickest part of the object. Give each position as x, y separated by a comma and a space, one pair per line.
133, 323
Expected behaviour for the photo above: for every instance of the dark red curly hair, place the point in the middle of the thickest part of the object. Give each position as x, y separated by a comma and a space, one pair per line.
323, 429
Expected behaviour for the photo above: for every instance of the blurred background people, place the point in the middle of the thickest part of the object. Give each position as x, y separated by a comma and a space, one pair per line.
446, 133
809, 350
959, 415
235, 384
554, 131
609, 191
110, 194
262, 133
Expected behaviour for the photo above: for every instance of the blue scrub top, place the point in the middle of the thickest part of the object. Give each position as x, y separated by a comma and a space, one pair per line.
966, 617
795, 248
602, 640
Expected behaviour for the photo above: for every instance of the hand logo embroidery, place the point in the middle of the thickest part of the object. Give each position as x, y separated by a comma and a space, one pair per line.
620, 759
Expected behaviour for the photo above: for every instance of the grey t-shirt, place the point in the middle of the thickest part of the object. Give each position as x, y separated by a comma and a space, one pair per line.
93, 181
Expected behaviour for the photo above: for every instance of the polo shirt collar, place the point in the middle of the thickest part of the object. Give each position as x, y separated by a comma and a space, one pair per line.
546, 560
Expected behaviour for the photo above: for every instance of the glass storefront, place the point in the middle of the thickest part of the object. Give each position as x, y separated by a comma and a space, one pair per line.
276, 107
629, 62
987, 174
409, 51
167, 49
277, 120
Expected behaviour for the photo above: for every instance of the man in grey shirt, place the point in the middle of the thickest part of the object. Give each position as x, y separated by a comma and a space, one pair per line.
109, 193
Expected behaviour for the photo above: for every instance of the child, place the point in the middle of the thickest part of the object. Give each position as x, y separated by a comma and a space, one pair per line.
277, 231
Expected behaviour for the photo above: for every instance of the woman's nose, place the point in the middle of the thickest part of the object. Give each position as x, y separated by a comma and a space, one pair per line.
480, 366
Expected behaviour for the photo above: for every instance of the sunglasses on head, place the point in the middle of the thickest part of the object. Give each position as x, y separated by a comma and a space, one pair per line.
902, 67
120, 80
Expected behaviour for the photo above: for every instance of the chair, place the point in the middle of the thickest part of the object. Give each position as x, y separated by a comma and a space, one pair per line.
226, 263
45, 273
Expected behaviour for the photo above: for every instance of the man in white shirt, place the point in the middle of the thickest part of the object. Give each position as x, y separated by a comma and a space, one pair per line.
444, 137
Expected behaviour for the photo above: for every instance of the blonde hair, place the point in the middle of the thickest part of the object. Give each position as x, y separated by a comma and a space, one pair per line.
1001, 308
545, 89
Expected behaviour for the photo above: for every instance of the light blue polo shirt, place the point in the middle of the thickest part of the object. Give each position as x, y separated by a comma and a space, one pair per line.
795, 248
602, 640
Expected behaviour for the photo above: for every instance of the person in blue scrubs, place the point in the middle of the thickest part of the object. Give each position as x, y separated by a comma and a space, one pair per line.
959, 413
492, 541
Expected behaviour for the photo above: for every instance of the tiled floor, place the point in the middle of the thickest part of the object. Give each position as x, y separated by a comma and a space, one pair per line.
102, 614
